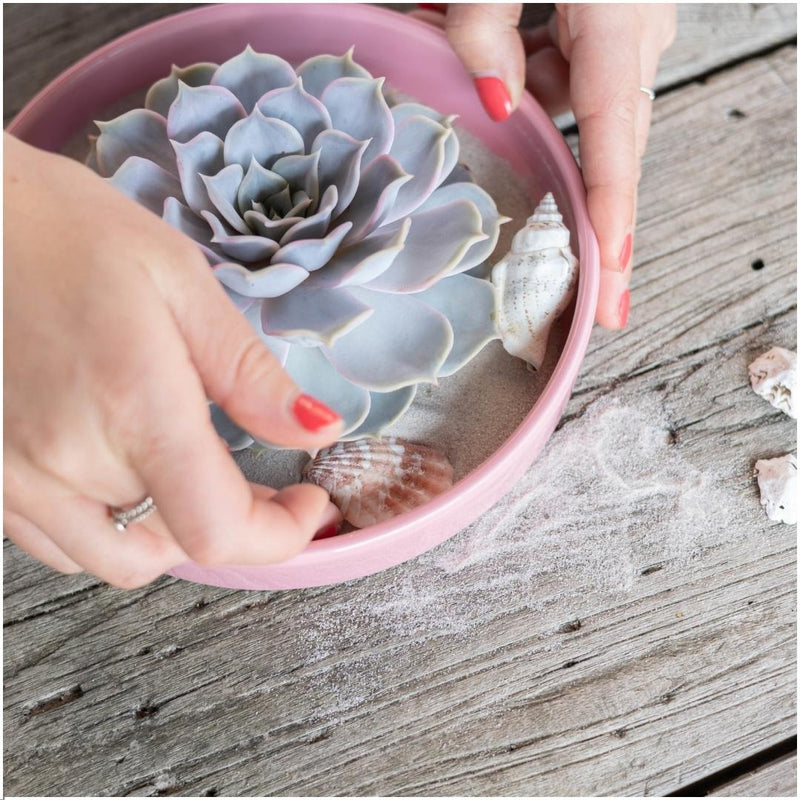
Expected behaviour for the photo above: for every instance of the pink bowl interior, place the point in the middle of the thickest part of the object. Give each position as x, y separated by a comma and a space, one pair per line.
416, 59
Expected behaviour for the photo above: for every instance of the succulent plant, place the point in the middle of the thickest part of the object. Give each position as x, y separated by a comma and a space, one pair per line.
340, 225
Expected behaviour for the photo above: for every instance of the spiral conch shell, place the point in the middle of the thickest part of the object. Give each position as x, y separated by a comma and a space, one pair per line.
535, 283
371, 480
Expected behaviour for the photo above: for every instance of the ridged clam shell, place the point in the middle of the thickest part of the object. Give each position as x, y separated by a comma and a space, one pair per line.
371, 480
535, 282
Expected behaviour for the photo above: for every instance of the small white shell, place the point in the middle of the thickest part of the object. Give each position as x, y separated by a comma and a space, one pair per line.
777, 482
535, 282
371, 480
773, 376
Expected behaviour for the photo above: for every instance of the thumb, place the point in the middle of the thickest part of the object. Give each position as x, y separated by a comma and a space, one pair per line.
238, 371
486, 39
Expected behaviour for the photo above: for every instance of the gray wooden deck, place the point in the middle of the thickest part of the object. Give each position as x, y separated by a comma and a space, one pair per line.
642, 648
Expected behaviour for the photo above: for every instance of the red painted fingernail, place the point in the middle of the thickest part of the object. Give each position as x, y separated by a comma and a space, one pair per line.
624, 308
440, 7
312, 414
326, 532
625, 253
494, 96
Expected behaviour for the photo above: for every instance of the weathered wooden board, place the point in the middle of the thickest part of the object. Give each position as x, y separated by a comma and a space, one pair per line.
711, 35
778, 779
543, 675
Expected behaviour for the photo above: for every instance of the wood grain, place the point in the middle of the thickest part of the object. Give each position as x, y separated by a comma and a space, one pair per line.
778, 779
711, 35
420, 681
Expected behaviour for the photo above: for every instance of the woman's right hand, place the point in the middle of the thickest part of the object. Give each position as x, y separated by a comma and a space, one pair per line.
116, 335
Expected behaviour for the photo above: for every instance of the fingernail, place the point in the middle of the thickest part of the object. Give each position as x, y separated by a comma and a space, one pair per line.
625, 252
326, 532
312, 414
624, 308
440, 7
494, 96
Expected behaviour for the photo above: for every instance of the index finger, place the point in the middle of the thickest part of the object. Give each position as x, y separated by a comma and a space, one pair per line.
604, 87
201, 494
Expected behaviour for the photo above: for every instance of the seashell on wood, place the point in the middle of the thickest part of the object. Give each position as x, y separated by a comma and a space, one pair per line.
773, 376
535, 282
372, 480
777, 482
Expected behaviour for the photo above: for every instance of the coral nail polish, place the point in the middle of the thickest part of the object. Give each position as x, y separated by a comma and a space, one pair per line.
625, 252
326, 532
624, 308
440, 7
312, 414
494, 96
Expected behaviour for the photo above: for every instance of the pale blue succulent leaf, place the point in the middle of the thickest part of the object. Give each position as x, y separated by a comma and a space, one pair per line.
161, 94
300, 172
301, 110
240, 301
302, 204
138, 132
251, 75
280, 202
491, 219
402, 343
201, 155
469, 305
357, 107
459, 174
271, 228
436, 243
187, 222
259, 137
236, 437
319, 71
451, 153
374, 199
385, 408
257, 186
314, 316
339, 165
364, 260
248, 249
313, 254
146, 183
419, 148
313, 373
317, 224
272, 280
223, 189
202, 108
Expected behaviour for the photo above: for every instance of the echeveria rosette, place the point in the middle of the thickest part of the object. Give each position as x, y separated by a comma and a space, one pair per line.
341, 226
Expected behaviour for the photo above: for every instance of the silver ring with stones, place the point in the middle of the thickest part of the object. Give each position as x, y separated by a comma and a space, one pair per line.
649, 92
128, 516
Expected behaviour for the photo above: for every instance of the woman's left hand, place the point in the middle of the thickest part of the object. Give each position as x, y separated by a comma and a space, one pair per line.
593, 59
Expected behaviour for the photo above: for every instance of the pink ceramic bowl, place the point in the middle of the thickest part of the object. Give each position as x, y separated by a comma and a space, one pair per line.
416, 59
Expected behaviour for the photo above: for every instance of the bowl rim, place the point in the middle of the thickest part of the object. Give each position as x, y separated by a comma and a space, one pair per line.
548, 407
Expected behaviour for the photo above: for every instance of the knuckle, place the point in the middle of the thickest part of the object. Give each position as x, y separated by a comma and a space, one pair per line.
134, 578
253, 364
208, 550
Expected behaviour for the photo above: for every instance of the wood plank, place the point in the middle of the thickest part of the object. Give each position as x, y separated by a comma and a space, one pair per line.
778, 779
586, 651
711, 35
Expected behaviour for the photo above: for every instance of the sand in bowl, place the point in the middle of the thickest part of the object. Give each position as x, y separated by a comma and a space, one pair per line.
466, 416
